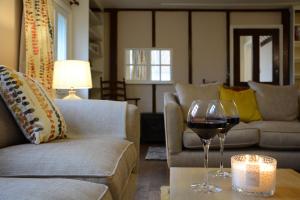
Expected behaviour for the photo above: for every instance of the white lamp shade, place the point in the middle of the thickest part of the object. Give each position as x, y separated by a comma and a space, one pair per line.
75, 74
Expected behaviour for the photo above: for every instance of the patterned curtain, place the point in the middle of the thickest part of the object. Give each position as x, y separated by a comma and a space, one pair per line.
38, 22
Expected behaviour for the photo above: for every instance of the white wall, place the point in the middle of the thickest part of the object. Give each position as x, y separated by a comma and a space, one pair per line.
172, 32
135, 31
79, 41
255, 18
80, 30
209, 50
209, 46
80, 37
10, 24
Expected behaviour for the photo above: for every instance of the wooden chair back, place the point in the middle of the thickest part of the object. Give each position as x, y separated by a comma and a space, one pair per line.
115, 91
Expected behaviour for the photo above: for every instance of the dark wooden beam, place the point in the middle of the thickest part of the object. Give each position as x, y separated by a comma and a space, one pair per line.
153, 45
228, 47
113, 70
256, 59
176, 10
153, 29
190, 48
285, 20
276, 63
154, 98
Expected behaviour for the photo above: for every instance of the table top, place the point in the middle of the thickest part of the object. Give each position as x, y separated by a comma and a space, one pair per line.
287, 185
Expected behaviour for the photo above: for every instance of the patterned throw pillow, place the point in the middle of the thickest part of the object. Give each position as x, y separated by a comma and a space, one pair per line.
35, 113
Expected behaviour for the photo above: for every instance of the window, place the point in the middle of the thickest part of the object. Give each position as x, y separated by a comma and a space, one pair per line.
148, 65
61, 35
62, 15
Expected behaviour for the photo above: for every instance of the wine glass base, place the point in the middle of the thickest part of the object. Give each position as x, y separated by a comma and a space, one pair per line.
223, 174
205, 188
220, 173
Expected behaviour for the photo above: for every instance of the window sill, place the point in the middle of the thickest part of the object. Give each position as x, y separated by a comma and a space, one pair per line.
130, 82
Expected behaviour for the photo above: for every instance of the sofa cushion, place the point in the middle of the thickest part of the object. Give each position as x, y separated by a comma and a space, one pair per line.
49, 189
278, 134
101, 159
34, 111
240, 136
187, 93
10, 133
276, 103
245, 101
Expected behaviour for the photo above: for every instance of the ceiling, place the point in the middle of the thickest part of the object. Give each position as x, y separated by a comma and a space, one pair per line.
194, 4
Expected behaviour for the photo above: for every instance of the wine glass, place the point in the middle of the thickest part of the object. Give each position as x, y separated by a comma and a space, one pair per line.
206, 119
232, 118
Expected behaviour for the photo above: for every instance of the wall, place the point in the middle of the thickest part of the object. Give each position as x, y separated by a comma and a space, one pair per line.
80, 36
10, 22
135, 31
209, 44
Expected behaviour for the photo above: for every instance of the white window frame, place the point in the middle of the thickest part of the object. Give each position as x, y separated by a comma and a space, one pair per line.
63, 7
148, 69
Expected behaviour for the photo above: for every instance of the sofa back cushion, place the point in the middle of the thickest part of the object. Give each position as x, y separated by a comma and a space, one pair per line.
10, 133
277, 103
187, 93
34, 111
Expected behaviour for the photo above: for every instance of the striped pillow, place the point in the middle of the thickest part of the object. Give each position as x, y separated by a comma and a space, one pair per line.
33, 110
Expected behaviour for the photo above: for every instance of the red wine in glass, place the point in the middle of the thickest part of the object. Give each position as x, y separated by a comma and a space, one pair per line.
230, 122
207, 129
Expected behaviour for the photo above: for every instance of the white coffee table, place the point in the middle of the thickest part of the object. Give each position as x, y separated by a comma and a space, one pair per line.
287, 186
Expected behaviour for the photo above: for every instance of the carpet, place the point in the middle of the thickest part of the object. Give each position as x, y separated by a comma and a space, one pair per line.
164, 192
156, 153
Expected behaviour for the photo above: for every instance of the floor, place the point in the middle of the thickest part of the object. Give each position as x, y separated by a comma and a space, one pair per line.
152, 175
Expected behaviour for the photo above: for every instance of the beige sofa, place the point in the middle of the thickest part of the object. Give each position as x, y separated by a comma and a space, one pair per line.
96, 161
279, 139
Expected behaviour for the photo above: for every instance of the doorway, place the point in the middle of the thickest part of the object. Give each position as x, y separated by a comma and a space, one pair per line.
256, 56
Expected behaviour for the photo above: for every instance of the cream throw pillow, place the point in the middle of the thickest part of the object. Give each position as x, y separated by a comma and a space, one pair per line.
33, 110
187, 93
276, 103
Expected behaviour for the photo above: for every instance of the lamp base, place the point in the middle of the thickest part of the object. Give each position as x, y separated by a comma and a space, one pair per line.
72, 96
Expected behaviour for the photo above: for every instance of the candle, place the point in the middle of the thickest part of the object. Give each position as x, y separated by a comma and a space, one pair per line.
253, 174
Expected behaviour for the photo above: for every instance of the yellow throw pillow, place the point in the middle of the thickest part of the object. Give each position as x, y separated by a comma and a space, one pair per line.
245, 101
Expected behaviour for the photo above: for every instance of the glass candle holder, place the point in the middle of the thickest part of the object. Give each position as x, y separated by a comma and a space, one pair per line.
253, 174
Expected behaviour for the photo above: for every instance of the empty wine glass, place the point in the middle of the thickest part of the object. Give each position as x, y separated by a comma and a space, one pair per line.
232, 118
206, 119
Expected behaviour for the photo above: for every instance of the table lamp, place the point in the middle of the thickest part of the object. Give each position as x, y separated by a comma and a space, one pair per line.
72, 74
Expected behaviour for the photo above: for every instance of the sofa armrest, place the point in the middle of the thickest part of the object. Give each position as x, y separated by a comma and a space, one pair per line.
174, 123
133, 126
90, 117
94, 117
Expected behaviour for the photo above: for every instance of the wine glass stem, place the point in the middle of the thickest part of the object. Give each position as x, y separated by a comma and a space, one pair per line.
206, 144
222, 140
